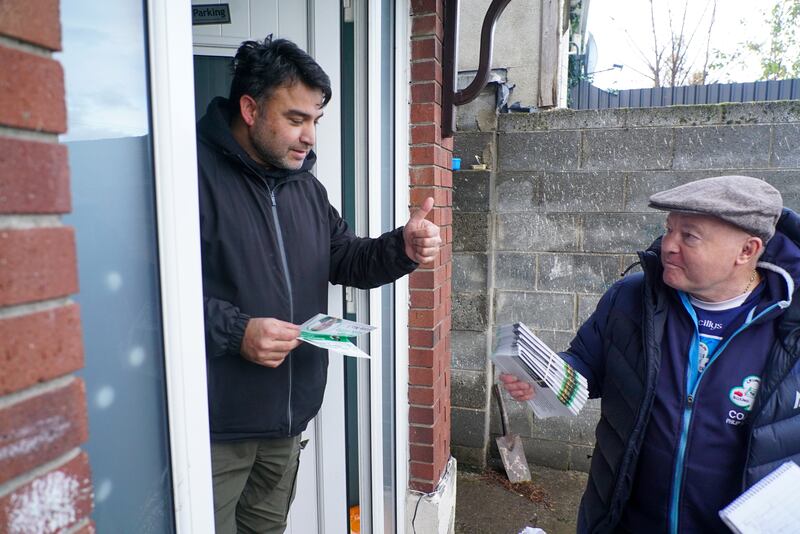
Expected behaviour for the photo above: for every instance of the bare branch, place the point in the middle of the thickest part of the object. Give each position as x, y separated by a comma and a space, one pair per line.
708, 44
673, 64
657, 67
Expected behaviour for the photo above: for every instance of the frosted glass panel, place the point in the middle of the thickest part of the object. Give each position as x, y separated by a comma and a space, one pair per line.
113, 206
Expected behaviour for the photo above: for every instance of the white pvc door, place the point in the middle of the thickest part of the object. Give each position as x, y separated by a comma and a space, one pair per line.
320, 504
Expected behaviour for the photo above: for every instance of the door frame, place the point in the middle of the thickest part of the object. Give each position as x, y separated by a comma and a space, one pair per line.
178, 226
324, 20
170, 42
320, 491
402, 111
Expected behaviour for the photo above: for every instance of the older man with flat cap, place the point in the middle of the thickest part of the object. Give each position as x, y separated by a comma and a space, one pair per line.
697, 361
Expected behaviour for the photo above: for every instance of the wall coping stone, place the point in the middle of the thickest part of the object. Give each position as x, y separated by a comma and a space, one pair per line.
784, 111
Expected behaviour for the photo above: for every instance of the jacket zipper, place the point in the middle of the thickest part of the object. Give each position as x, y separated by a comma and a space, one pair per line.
285, 264
686, 418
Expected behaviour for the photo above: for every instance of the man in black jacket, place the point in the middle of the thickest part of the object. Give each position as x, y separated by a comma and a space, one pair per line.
271, 242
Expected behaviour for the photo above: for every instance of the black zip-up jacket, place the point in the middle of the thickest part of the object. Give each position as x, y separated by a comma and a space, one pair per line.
271, 242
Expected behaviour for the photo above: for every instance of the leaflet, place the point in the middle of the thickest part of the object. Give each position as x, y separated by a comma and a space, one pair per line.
558, 388
333, 333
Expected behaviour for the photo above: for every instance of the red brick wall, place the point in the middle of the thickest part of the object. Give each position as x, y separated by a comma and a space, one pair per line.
429, 316
45, 482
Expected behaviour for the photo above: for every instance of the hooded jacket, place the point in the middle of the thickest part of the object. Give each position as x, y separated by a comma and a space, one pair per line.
672, 448
270, 244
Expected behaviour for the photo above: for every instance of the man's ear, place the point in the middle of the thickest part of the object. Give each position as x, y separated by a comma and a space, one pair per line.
248, 108
750, 249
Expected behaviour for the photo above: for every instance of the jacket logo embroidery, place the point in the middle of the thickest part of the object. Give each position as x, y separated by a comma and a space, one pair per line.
744, 395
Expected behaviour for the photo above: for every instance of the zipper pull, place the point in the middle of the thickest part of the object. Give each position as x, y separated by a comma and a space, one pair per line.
272, 197
690, 400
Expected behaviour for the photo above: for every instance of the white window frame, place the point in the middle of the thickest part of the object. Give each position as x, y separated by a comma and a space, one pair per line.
324, 45
175, 164
376, 131
402, 110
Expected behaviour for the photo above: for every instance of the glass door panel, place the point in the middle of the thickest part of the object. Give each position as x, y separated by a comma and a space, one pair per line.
111, 166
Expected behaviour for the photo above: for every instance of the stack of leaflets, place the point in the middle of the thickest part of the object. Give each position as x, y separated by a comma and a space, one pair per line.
558, 388
333, 333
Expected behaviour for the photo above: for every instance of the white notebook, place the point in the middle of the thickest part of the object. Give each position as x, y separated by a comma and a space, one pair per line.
771, 505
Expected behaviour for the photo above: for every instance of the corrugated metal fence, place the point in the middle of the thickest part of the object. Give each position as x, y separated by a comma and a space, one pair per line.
587, 96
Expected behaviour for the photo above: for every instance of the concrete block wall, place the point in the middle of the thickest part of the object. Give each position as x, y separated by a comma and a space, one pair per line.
471, 283
565, 212
45, 482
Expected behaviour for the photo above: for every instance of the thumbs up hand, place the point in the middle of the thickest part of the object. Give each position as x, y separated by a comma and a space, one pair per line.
421, 236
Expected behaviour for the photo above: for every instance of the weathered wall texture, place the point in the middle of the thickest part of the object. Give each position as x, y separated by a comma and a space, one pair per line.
540, 236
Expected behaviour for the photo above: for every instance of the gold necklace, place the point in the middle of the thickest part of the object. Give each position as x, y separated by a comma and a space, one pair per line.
750, 282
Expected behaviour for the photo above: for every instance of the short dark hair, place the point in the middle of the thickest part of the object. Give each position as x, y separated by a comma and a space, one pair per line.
260, 67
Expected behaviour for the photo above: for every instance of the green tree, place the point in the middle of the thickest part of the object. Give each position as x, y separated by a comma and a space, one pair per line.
778, 54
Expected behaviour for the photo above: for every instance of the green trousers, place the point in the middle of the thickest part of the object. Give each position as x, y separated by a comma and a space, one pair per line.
254, 483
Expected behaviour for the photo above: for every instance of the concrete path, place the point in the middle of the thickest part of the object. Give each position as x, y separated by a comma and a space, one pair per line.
485, 506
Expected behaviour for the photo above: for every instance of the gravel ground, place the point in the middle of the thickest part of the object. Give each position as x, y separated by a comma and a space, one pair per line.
488, 503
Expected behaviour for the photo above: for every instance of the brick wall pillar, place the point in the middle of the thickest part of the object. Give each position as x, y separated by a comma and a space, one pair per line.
45, 484
429, 316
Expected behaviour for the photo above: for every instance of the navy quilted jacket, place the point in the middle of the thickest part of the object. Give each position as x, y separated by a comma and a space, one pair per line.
628, 351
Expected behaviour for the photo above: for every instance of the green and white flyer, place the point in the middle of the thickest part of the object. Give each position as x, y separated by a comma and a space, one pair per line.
334, 333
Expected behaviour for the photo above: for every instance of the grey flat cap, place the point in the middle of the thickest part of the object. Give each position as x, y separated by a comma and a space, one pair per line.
749, 203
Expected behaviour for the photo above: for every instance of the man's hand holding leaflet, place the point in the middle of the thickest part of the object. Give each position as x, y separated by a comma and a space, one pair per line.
267, 341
